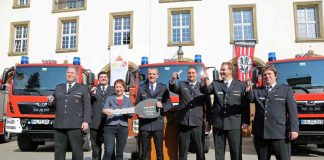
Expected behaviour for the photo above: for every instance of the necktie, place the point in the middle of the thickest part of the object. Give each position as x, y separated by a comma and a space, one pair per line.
103, 89
268, 88
69, 89
226, 85
192, 85
152, 89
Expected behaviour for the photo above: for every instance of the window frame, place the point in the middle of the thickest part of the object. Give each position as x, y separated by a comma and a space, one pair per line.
16, 4
189, 10
56, 10
59, 40
114, 15
13, 26
170, 1
319, 17
251, 7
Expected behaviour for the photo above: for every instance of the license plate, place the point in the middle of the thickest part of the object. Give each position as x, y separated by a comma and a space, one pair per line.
40, 121
312, 121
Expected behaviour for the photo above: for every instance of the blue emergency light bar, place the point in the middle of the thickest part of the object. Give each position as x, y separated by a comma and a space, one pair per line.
197, 58
76, 61
271, 56
144, 60
24, 60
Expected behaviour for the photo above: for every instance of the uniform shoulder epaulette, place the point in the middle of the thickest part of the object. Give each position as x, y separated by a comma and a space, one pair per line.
183, 81
61, 84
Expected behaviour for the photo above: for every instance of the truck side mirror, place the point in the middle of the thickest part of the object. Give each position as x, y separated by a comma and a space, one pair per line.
255, 75
5, 76
127, 80
215, 75
91, 78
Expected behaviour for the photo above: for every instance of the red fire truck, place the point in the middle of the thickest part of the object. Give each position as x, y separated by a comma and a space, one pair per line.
305, 74
28, 114
4, 135
166, 69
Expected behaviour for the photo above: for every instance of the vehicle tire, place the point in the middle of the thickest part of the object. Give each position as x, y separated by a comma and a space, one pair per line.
25, 143
86, 142
5, 137
206, 144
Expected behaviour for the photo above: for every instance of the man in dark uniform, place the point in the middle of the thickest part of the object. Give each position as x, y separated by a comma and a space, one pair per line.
99, 95
153, 127
72, 116
191, 112
276, 120
230, 112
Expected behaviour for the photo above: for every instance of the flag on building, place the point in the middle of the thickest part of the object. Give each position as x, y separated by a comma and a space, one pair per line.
244, 51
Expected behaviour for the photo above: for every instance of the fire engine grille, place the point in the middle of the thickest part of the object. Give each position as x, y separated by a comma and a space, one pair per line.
35, 108
310, 107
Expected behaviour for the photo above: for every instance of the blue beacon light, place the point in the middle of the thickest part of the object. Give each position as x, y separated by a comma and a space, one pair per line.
197, 58
144, 60
76, 61
271, 56
24, 60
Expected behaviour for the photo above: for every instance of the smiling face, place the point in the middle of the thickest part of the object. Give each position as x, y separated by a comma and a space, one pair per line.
71, 75
225, 72
153, 75
192, 75
269, 77
119, 89
103, 79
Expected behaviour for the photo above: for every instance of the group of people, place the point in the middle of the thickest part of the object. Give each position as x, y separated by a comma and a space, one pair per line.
79, 109
274, 126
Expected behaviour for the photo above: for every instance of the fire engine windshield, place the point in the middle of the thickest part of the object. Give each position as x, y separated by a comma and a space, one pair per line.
37, 80
165, 73
303, 76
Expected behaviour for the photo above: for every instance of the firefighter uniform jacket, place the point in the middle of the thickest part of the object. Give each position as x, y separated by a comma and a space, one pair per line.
230, 108
275, 112
154, 124
72, 108
191, 103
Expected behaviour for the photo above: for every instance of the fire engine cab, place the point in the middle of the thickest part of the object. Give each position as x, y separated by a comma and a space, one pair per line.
28, 114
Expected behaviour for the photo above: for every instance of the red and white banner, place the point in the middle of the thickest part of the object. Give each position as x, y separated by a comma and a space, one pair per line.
244, 51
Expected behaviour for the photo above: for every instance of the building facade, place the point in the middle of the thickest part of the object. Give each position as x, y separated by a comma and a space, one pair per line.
98, 31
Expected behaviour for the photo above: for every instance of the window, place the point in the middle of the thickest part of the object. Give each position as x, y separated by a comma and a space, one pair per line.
308, 21
67, 34
19, 35
242, 22
166, 1
180, 27
121, 29
69, 5
21, 4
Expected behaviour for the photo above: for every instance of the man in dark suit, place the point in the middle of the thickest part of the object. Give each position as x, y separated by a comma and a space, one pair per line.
72, 116
99, 95
276, 120
230, 112
191, 112
153, 127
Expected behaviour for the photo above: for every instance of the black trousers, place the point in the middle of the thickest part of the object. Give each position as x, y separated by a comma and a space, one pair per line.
279, 147
96, 136
64, 136
146, 143
234, 138
185, 134
112, 133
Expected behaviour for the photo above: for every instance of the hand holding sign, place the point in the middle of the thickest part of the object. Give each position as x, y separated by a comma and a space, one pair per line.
148, 108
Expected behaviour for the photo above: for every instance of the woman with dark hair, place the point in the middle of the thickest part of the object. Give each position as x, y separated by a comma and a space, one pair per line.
116, 127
